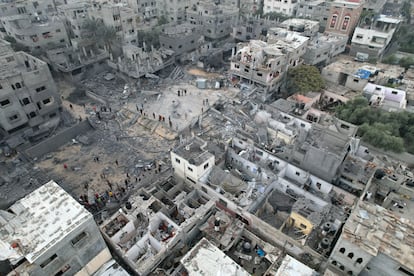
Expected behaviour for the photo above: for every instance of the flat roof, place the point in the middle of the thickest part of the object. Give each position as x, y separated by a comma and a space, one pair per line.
292, 267
39, 221
207, 259
378, 230
194, 152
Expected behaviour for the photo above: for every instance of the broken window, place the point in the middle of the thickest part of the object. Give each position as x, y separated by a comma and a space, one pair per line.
206, 166
25, 101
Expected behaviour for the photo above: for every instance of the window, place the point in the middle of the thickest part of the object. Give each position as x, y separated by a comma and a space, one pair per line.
78, 238
356, 80
63, 270
26, 101
47, 101
259, 74
394, 92
39, 89
14, 117
206, 166
32, 114
359, 36
18, 85
318, 185
190, 169
350, 255
303, 226
406, 271
345, 23
58, 30
297, 173
5, 102
333, 21
48, 261
359, 261
177, 160
342, 250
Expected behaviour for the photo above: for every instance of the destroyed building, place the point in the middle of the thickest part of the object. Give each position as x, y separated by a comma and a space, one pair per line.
259, 63
29, 105
251, 28
137, 62
49, 233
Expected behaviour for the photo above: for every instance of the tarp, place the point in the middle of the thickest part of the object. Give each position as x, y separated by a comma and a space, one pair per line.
363, 74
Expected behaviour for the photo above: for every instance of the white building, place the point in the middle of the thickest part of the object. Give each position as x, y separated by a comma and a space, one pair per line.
287, 7
206, 259
50, 233
375, 37
192, 161
388, 98
292, 267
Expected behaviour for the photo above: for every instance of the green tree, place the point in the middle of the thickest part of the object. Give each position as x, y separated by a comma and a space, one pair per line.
406, 62
392, 59
303, 79
406, 10
388, 130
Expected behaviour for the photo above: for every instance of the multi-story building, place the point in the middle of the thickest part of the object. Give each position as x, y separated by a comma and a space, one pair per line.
50, 233
315, 10
251, 28
293, 44
305, 27
375, 37
36, 32
29, 103
174, 10
122, 19
287, 7
146, 10
322, 48
259, 63
343, 17
388, 98
180, 38
217, 20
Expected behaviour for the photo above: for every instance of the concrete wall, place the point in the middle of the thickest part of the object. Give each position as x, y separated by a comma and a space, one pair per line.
58, 140
382, 265
76, 256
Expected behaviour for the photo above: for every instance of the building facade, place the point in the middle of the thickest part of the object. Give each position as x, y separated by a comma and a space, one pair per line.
286, 7
343, 17
50, 233
29, 102
374, 38
216, 20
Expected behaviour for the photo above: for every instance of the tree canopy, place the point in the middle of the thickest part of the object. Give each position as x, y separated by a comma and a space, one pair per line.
392, 131
303, 79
